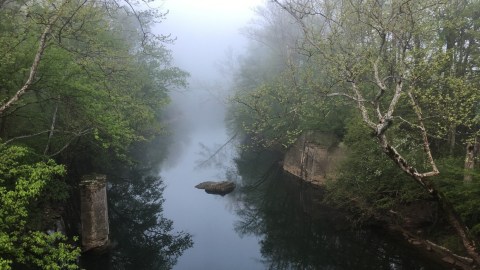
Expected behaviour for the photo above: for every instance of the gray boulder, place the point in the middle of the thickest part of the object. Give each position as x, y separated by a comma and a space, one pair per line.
220, 188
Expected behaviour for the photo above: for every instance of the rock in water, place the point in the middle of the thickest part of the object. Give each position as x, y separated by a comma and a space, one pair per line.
220, 188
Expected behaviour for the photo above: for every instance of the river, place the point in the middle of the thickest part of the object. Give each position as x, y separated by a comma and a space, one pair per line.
208, 218
271, 221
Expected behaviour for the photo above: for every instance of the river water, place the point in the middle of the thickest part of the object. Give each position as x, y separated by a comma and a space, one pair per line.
208, 218
271, 221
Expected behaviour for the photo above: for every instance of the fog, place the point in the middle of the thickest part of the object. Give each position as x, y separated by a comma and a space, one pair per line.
207, 36
206, 33
208, 39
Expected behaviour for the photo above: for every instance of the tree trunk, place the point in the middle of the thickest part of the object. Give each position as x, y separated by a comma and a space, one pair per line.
470, 159
452, 139
52, 129
3, 128
450, 213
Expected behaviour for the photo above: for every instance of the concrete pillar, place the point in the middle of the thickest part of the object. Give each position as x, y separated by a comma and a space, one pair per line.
94, 211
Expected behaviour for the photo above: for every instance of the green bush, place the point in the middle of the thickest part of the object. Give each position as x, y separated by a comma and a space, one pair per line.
368, 182
23, 182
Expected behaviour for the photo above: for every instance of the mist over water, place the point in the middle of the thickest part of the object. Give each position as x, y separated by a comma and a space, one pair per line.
204, 37
206, 34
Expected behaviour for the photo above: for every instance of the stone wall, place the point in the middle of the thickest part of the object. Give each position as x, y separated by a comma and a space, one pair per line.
314, 157
94, 212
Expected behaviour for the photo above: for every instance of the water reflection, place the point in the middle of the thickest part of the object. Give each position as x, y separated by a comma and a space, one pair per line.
297, 232
209, 218
141, 237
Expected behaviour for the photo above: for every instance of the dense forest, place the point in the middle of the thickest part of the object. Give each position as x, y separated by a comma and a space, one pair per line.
83, 87
397, 82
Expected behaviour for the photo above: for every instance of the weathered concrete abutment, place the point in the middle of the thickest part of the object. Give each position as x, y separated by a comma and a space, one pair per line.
314, 157
94, 212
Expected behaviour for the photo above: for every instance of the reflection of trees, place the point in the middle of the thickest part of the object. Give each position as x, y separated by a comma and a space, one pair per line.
297, 232
142, 237
216, 156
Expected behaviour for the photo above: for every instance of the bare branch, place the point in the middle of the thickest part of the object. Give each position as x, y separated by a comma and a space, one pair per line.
394, 155
77, 135
23, 105
295, 14
408, 122
217, 151
361, 106
385, 121
245, 104
378, 81
347, 96
381, 86
70, 19
140, 23
426, 144
395, 99
26, 136
52, 128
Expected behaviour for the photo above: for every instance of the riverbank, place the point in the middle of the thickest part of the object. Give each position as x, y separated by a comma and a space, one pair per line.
316, 159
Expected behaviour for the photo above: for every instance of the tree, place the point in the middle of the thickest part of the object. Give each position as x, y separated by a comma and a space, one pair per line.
374, 50
98, 71
23, 183
277, 86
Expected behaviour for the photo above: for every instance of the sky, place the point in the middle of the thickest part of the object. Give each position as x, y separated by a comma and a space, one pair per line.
206, 32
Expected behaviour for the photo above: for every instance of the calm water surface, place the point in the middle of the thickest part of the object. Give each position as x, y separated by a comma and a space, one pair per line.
272, 221
209, 218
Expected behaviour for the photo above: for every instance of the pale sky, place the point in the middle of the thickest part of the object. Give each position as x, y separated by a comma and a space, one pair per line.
205, 31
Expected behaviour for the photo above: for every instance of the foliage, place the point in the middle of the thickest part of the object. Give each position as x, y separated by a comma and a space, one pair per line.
464, 195
23, 182
450, 100
368, 184
275, 120
410, 70
103, 76
278, 112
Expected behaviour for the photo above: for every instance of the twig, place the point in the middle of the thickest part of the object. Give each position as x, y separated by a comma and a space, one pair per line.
217, 151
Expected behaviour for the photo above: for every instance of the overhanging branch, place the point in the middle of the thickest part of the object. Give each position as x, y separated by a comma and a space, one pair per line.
36, 62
